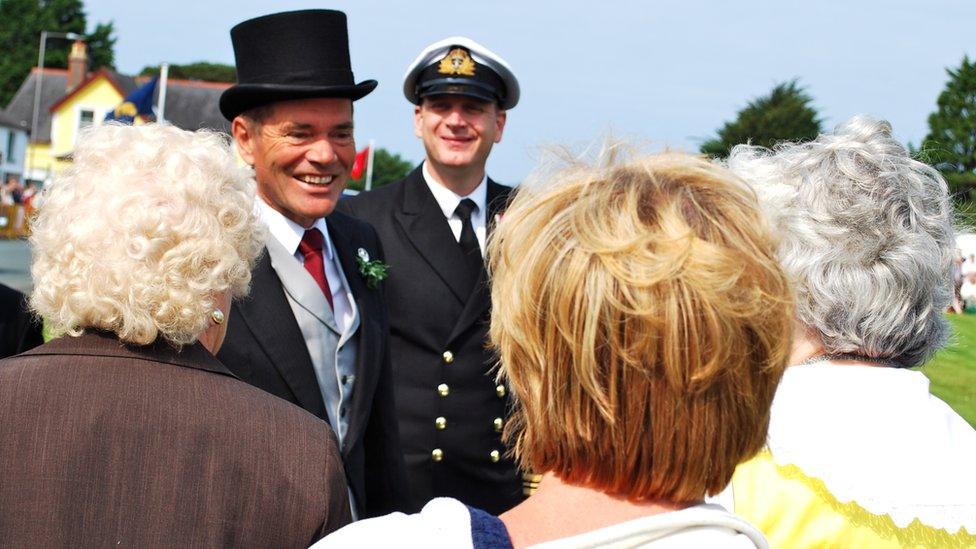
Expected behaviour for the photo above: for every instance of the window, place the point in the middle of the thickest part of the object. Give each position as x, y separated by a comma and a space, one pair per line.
86, 118
11, 143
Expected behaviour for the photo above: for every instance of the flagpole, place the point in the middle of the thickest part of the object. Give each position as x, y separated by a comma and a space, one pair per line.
369, 165
161, 107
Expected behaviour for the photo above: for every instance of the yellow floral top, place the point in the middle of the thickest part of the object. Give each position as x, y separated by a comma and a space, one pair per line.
801, 512
860, 457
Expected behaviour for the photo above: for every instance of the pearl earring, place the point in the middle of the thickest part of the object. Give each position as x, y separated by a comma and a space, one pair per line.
218, 316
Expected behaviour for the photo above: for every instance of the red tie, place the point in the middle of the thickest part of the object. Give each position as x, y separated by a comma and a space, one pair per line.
311, 248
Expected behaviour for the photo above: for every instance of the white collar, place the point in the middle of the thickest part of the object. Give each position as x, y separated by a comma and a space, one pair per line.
288, 233
858, 427
448, 200
446, 522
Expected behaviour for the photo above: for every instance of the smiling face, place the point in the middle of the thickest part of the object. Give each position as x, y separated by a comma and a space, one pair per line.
301, 151
458, 131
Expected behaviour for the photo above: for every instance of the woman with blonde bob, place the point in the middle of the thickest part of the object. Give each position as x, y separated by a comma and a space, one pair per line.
860, 453
126, 427
642, 323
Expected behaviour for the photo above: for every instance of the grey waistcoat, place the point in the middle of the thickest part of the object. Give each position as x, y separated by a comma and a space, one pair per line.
333, 354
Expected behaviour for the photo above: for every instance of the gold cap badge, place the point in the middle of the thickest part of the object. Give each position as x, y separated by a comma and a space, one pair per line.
457, 62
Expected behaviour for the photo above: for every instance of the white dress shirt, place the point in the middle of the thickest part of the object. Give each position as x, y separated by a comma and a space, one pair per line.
448, 200
289, 234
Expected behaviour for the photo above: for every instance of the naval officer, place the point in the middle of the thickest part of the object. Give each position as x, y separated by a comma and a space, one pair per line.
433, 225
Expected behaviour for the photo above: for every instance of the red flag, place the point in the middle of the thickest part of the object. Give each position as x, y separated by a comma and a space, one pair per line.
359, 166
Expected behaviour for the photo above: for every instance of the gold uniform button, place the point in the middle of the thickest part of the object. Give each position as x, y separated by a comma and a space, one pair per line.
495, 455
443, 389
500, 391
448, 357
440, 423
437, 454
498, 424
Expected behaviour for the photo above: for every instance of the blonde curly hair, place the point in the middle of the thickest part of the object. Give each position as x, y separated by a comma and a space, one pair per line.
642, 321
142, 233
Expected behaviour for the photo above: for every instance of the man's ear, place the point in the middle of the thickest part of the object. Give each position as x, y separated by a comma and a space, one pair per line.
500, 118
244, 132
417, 122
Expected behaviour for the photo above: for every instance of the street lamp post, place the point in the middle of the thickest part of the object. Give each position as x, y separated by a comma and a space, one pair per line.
37, 88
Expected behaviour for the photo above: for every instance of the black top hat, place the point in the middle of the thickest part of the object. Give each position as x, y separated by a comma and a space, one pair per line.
291, 55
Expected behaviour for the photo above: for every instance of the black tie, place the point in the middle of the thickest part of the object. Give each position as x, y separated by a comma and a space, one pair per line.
468, 241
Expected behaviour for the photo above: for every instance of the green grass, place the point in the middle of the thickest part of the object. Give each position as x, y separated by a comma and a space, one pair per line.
952, 372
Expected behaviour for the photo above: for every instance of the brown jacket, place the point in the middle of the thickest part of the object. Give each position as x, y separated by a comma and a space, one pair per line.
105, 445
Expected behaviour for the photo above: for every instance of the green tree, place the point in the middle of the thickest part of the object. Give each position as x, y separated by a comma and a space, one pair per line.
201, 70
21, 23
786, 114
951, 142
387, 168
101, 46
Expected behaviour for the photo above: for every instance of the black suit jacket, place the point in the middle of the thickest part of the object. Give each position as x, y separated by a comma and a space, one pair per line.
108, 445
20, 330
265, 347
437, 339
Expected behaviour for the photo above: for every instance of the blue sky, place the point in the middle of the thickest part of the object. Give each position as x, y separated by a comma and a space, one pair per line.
666, 73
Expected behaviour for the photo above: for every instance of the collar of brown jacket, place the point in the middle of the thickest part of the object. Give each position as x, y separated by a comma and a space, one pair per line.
107, 344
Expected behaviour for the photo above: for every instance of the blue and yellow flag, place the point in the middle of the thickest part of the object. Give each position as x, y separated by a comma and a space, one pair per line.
138, 102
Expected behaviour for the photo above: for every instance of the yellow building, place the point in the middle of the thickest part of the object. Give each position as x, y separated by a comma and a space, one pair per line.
84, 106
73, 99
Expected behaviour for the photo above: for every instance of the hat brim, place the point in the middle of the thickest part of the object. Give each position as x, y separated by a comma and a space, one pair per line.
242, 97
454, 87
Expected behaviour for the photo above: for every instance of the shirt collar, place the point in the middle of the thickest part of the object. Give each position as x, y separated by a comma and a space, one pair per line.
448, 200
288, 233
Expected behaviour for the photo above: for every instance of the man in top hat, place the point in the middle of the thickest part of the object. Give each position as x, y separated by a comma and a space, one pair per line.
433, 225
314, 329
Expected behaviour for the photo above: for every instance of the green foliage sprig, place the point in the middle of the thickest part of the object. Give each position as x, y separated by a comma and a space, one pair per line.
373, 272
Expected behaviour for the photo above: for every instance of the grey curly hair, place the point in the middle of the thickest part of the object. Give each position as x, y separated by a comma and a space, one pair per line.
867, 237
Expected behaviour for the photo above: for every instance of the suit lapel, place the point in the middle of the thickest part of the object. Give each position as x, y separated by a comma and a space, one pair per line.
347, 251
300, 285
480, 299
269, 317
369, 306
424, 225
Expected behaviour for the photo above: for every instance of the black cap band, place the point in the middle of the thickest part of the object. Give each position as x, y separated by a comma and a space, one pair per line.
484, 84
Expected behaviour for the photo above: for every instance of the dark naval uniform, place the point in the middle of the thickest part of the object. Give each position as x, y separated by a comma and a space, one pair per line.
451, 410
